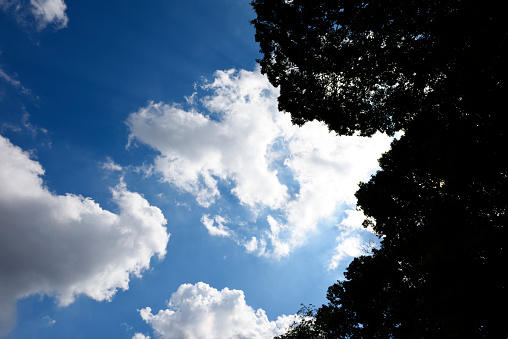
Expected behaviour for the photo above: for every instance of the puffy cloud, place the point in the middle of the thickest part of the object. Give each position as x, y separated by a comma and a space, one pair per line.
200, 311
296, 176
196, 150
140, 336
67, 245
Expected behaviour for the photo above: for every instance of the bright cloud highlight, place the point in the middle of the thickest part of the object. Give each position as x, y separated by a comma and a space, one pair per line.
297, 176
200, 311
350, 241
67, 245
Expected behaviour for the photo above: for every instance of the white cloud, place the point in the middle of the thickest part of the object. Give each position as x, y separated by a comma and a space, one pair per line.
350, 242
298, 176
46, 12
348, 247
140, 336
200, 311
50, 12
12, 81
110, 165
353, 221
49, 321
251, 245
67, 245
196, 151
220, 229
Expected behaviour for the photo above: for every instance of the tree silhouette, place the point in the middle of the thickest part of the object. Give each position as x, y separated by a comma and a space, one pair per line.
367, 66
435, 70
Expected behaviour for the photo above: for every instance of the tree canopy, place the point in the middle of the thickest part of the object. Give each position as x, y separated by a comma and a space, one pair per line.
435, 70
367, 66
440, 271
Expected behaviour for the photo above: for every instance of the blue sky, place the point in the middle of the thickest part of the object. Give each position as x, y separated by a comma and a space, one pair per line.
148, 185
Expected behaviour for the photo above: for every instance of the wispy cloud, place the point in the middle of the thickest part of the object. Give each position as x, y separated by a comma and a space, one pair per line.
26, 126
14, 82
49, 320
110, 165
219, 230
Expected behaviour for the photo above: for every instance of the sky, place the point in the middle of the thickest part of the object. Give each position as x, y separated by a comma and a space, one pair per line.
150, 188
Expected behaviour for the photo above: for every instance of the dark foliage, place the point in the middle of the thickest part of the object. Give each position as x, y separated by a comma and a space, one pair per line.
367, 66
440, 271
437, 71
445, 231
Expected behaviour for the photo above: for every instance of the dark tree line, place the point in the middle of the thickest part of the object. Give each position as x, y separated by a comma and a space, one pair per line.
435, 70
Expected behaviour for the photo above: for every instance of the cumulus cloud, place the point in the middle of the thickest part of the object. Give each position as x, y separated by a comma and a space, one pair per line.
196, 151
200, 311
140, 336
67, 245
295, 176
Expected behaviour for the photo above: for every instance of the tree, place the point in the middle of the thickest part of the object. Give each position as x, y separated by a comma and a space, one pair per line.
435, 70
440, 270
305, 327
367, 66
445, 230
